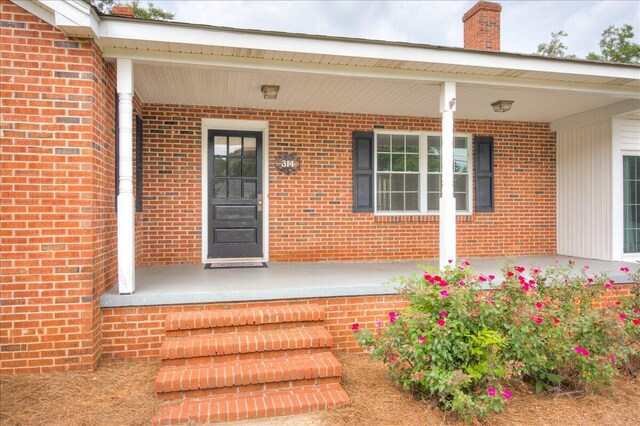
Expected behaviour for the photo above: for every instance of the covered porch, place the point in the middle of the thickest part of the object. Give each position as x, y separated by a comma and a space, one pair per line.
192, 284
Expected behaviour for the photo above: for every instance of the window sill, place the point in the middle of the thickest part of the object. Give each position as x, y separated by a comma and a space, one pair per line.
398, 218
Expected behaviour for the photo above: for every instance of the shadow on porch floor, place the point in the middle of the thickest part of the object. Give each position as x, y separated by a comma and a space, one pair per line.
180, 284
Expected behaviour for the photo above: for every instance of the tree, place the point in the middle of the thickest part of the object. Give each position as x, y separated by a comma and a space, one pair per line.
555, 47
616, 46
147, 11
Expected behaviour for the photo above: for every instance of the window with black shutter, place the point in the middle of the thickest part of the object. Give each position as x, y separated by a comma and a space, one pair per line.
484, 174
362, 172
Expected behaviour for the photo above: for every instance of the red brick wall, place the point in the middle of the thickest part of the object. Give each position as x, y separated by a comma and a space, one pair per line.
138, 332
57, 238
311, 216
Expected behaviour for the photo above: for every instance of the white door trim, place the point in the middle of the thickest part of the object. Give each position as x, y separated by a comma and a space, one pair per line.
245, 125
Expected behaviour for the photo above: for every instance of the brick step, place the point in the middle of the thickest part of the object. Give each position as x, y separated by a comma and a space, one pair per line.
281, 402
192, 349
249, 375
227, 320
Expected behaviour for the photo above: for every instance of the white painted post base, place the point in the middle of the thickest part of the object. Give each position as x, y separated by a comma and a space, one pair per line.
126, 254
447, 231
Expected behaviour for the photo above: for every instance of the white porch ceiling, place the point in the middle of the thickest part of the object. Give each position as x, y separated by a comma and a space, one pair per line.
308, 92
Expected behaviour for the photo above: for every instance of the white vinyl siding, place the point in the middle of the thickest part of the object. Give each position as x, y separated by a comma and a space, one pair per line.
584, 182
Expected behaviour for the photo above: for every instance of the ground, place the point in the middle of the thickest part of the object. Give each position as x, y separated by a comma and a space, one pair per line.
122, 394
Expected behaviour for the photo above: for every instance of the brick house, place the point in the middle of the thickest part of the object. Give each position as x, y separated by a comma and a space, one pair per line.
131, 144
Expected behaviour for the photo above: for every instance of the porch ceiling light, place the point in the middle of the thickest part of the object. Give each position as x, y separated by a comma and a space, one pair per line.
502, 106
270, 91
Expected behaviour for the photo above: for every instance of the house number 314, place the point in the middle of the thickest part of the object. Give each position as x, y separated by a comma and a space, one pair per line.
287, 163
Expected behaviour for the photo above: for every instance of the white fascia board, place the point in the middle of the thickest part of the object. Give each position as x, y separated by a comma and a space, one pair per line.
121, 29
236, 63
596, 115
73, 17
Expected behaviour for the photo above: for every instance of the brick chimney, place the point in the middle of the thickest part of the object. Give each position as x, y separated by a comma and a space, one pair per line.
482, 26
122, 10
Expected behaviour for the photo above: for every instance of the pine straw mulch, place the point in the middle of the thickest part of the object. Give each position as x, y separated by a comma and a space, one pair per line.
122, 394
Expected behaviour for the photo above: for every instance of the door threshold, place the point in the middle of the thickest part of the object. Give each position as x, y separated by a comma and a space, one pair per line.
236, 260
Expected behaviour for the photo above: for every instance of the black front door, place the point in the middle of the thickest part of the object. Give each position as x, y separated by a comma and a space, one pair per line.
235, 194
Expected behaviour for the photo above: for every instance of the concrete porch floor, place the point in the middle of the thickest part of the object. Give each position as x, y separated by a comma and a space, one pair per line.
183, 284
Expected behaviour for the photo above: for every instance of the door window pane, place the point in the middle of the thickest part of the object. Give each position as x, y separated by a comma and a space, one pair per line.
235, 188
249, 168
219, 166
235, 165
220, 145
249, 188
249, 147
631, 204
220, 188
235, 146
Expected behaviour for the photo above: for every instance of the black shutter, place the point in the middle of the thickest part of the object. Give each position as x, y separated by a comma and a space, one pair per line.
138, 163
484, 173
116, 125
362, 172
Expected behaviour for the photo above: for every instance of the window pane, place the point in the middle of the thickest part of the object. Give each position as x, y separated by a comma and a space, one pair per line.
397, 182
220, 188
384, 200
249, 147
461, 201
235, 146
433, 164
411, 201
397, 143
234, 167
411, 182
459, 183
631, 204
433, 201
459, 142
235, 188
220, 145
219, 166
413, 163
249, 167
249, 188
384, 143
384, 182
460, 159
384, 162
433, 145
397, 162
413, 143
433, 183
397, 201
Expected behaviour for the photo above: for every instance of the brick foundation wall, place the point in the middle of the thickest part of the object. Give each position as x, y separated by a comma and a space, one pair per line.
311, 216
57, 215
138, 332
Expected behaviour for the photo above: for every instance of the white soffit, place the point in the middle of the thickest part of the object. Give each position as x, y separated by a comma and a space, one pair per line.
214, 87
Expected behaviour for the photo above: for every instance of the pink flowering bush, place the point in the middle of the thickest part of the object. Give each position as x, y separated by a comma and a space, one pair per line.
463, 346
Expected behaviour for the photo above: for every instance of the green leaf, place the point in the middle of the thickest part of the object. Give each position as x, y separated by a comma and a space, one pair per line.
539, 386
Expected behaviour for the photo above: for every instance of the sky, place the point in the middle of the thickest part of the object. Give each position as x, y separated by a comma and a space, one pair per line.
525, 24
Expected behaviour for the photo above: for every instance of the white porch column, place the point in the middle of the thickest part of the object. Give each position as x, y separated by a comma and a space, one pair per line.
447, 201
126, 259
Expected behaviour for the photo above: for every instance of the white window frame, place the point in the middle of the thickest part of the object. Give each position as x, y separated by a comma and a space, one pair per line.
422, 135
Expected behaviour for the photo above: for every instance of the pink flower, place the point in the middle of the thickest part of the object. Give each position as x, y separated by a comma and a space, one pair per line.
444, 313
510, 274
355, 326
536, 271
491, 276
538, 320
444, 294
636, 321
393, 316
636, 311
585, 267
443, 283
491, 392
608, 284
427, 276
618, 302
379, 324
590, 280
539, 305
622, 316
520, 269
441, 322
481, 278
506, 394
419, 375
581, 351
422, 339
464, 262
462, 283
612, 358
450, 260
556, 320
624, 269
